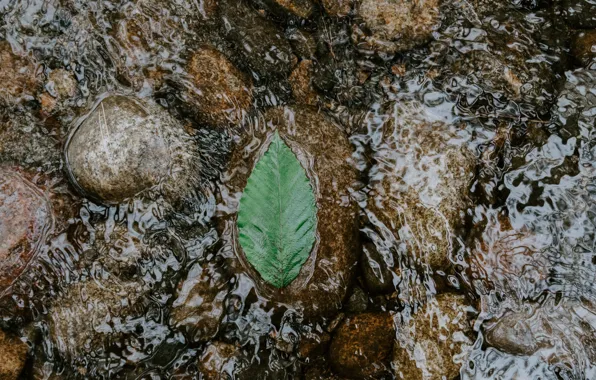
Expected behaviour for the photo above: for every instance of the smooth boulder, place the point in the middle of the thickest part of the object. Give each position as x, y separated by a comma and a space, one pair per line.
126, 146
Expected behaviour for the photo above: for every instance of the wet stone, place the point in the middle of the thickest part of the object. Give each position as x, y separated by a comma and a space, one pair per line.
14, 354
338, 8
325, 277
580, 14
584, 48
300, 8
220, 92
98, 321
199, 306
361, 346
378, 275
390, 26
127, 146
25, 220
18, 77
220, 361
301, 82
419, 187
262, 45
433, 344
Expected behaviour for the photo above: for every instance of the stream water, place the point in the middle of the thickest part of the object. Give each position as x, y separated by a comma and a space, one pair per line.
450, 146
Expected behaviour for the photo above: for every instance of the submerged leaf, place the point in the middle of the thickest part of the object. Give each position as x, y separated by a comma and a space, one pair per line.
277, 215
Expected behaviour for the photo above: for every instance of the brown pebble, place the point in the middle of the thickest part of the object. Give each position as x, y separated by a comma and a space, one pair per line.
13, 354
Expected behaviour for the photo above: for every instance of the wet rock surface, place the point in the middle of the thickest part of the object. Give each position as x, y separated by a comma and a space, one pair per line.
393, 26
126, 146
14, 354
421, 350
420, 191
199, 306
324, 279
19, 77
25, 220
221, 92
584, 48
579, 13
362, 345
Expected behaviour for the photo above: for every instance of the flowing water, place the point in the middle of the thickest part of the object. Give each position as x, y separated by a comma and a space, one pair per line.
450, 145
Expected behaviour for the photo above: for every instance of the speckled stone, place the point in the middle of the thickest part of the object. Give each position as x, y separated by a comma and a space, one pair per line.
18, 77
14, 354
220, 361
221, 93
420, 184
361, 346
324, 151
301, 82
126, 146
338, 8
300, 8
25, 220
392, 26
429, 344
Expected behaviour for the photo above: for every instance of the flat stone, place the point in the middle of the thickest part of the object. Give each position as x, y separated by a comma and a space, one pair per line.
324, 279
420, 184
18, 78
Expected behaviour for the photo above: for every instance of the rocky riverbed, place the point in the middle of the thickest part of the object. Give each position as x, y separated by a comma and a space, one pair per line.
298, 189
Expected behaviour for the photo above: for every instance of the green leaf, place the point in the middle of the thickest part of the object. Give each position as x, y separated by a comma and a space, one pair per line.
277, 215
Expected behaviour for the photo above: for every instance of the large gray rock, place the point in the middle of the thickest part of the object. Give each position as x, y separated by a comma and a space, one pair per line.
127, 146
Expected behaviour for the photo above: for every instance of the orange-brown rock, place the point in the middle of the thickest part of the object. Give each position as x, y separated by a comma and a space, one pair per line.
362, 345
13, 354
222, 94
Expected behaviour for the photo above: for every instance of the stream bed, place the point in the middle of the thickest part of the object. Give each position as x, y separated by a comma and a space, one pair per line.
298, 189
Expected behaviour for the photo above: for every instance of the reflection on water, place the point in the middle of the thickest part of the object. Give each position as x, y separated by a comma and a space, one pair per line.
450, 146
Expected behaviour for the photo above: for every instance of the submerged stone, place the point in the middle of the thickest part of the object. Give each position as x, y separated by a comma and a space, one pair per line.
18, 77
301, 82
14, 354
25, 220
323, 151
419, 186
338, 8
433, 344
262, 45
579, 14
392, 26
127, 146
362, 345
584, 48
199, 306
221, 93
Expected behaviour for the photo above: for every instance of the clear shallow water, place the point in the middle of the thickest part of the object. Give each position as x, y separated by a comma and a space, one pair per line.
474, 162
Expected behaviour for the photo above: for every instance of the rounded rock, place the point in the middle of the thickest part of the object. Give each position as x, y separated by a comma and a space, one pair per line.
125, 147
324, 151
221, 92
362, 345
392, 26
25, 220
